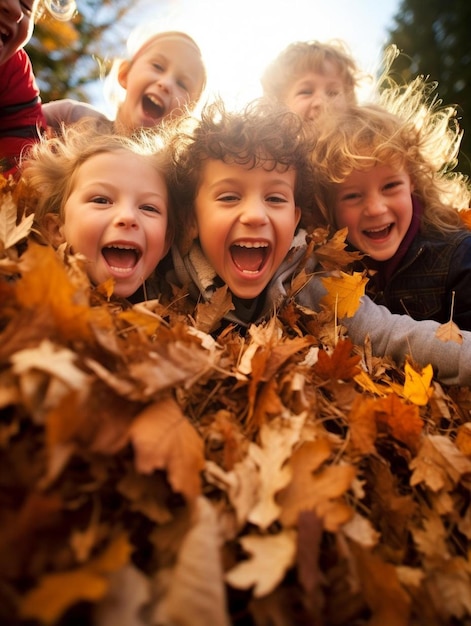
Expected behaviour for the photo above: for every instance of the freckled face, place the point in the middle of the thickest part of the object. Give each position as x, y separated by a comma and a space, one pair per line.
246, 220
116, 216
376, 207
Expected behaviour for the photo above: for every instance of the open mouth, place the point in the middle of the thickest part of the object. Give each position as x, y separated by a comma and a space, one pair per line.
152, 107
121, 257
250, 257
378, 233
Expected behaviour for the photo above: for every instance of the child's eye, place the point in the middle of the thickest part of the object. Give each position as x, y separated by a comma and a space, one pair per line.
182, 84
276, 199
228, 197
333, 94
150, 208
158, 67
100, 200
350, 196
27, 8
392, 185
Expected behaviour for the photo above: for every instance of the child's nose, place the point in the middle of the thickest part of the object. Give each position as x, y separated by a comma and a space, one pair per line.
374, 205
126, 216
254, 213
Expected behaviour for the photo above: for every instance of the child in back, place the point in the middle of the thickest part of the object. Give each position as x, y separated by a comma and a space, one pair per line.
310, 77
21, 116
245, 183
384, 173
107, 197
163, 76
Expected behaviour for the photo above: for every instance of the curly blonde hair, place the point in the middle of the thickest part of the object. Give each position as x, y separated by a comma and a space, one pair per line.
406, 128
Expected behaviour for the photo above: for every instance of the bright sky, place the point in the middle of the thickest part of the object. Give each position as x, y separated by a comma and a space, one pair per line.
238, 39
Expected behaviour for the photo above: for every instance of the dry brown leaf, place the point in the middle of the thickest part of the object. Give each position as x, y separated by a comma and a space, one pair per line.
164, 439
271, 557
449, 332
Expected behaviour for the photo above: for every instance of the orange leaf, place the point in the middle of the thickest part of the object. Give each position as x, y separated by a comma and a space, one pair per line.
340, 365
164, 439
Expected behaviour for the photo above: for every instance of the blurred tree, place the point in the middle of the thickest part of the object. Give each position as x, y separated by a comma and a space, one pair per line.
68, 56
433, 38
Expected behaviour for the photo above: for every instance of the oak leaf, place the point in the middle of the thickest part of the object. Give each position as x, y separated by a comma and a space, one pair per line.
271, 557
344, 293
57, 592
277, 439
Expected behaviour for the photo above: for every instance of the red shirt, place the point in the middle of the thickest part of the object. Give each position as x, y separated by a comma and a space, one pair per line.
21, 117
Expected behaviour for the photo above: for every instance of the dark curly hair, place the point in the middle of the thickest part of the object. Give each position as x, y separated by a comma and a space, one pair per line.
262, 133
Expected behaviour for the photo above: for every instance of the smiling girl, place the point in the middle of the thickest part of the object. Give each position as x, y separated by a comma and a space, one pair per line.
106, 197
384, 174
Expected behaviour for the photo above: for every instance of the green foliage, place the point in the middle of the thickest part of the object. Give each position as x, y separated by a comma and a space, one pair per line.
68, 56
433, 38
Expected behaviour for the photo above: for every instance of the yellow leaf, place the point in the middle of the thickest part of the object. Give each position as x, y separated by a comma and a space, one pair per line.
344, 292
417, 384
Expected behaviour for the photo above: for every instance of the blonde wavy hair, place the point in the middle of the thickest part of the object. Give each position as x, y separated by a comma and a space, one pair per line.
49, 170
407, 128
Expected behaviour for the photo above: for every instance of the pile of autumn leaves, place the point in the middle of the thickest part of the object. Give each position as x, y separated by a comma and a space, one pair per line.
153, 475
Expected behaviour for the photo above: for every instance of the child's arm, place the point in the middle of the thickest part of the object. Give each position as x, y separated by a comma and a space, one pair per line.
68, 111
399, 336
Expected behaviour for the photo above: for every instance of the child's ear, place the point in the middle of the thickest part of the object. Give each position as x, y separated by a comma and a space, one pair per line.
297, 215
53, 229
123, 72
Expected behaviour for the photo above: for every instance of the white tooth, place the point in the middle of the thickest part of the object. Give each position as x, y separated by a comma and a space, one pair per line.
250, 244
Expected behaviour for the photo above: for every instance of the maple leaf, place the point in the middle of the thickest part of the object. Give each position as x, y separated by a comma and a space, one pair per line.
417, 387
10, 232
209, 314
44, 284
344, 293
332, 255
402, 420
340, 365
163, 438
311, 488
449, 332
272, 556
